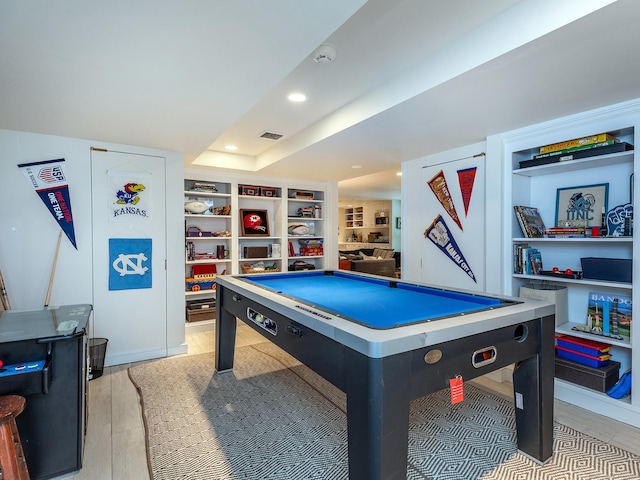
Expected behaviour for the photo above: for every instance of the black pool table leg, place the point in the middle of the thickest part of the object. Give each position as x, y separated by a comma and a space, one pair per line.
225, 336
378, 397
533, 395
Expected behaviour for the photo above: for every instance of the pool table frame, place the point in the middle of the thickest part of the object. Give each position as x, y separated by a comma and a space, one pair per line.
381, 371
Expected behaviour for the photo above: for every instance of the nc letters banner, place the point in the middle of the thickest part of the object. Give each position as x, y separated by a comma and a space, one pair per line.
129, 263
49, 182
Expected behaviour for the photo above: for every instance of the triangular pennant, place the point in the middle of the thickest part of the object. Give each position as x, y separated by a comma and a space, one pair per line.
50, 183
466, 178
440, 189
438, 232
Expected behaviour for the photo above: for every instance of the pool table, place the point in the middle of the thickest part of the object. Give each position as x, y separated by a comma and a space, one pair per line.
385, 342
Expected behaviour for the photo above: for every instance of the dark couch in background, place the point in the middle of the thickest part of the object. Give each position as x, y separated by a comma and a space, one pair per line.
366, 260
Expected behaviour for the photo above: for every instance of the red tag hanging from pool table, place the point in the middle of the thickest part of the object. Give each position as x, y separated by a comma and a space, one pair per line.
457, 389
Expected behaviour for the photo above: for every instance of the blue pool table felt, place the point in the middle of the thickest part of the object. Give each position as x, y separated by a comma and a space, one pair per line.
376, 303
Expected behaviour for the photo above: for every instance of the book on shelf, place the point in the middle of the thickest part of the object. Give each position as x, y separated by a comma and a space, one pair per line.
565, 232
575, 149
526, 260
530, 221
535, 262
577, 142
609, 314
615, 147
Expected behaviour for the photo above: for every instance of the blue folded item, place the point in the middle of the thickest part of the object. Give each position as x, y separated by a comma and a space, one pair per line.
622, 388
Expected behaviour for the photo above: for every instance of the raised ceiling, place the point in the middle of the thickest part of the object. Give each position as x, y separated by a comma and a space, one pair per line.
410, 78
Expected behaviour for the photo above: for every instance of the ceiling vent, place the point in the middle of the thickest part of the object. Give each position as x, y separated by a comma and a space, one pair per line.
271, 136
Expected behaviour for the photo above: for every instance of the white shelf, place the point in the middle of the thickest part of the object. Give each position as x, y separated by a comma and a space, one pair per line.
567, 328
604, 240
191, 193
207, 216
576, 281
208, 261
573, 165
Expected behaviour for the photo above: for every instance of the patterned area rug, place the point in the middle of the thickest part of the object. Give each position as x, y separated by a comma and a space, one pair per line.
274, 419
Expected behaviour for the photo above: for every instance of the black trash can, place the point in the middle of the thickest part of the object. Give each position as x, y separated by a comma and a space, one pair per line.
97, 352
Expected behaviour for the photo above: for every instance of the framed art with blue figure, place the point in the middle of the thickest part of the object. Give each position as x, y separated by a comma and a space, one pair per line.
583, 206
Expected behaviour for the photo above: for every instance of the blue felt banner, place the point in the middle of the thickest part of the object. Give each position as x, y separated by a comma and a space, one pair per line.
129, 263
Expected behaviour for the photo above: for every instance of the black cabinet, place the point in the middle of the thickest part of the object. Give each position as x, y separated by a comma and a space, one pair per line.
44, 355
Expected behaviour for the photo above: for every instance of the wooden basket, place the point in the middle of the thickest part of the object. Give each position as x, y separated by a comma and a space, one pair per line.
246, 268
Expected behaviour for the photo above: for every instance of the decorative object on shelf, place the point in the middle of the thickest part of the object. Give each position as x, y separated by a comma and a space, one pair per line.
306, 212
256, 252
250, 190
221, 210
298, 229
254, 223
268, 192
608, 269
609, 313
530, 221
196, 206
622, 388
581, 206
203, 187
194, 231
300, 195
301, 265
566, 273
618, 221
259, 267
311, 248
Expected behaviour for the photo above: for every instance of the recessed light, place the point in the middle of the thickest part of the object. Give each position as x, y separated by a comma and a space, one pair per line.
399, 174
230, 147
356, 166
297, 97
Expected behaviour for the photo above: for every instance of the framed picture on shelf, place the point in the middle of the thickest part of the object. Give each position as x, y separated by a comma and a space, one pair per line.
581, 206
254, 223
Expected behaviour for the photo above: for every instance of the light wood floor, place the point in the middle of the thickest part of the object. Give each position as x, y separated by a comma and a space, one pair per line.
115, 447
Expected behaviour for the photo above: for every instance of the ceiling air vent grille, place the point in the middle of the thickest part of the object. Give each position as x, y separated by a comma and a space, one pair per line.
271, 136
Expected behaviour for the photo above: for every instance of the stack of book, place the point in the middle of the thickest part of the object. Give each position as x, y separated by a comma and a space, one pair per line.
530, 221
600, 144
565, 232
526, 260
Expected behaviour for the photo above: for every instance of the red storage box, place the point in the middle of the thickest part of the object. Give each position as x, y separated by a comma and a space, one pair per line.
198, 270
582, 345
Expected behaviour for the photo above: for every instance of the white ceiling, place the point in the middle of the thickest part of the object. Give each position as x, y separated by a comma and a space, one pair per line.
410, 78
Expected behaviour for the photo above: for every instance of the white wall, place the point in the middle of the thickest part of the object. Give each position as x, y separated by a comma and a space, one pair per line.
28, 232
413, 194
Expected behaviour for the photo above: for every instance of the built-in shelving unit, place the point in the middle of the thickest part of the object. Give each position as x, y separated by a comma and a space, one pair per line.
290, 230
537, 186
305, 228
208, 232
368, 223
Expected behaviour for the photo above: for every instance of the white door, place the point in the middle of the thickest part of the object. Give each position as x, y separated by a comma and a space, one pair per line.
454, 222
129, 297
